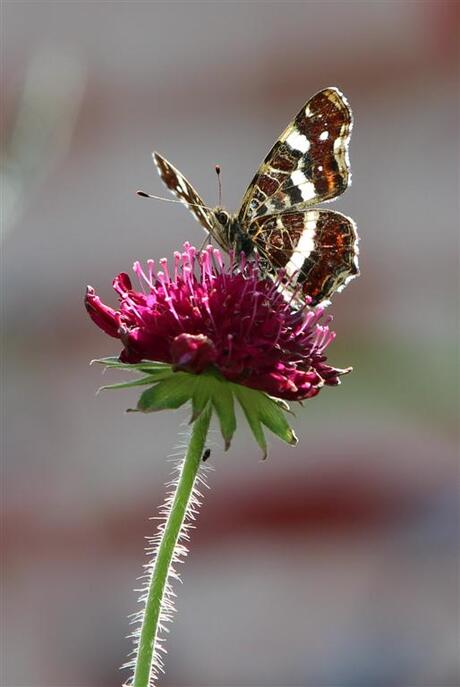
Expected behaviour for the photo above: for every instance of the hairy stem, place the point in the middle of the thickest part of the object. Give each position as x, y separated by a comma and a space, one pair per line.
166, 551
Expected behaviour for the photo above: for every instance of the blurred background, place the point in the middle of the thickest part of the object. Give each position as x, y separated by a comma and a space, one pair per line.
332, 565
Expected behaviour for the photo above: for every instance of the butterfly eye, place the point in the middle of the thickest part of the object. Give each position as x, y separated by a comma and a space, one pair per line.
222, 218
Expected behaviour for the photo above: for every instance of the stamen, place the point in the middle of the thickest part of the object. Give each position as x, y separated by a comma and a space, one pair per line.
170, 303
277, 336
151, 268
141, 276
309, 316
186, 261
164, 265
230, 345
177, 259
191, 252
218, 258
187, 274
132, 307
243, 292
161, 278
206, 264
254, 310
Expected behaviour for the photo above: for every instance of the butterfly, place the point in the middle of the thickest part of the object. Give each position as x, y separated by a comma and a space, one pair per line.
278, 219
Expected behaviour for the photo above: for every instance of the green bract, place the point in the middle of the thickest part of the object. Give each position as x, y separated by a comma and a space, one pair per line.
170, 389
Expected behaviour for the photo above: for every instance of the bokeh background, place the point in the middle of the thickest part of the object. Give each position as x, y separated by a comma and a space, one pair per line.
331, 565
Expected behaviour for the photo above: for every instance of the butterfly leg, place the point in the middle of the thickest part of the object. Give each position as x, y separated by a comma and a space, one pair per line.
205, 242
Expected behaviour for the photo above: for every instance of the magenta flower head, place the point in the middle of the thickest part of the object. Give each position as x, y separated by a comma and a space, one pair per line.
206, 319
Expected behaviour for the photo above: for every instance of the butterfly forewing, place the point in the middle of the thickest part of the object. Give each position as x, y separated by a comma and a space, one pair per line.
309, 162
182, 188
307, 165
316, 248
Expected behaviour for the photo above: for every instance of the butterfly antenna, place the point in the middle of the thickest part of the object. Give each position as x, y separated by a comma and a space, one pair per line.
219, 184
143, 194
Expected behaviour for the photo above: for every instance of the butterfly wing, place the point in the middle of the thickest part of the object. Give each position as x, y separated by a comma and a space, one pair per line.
309, 162
182, 189
318, 249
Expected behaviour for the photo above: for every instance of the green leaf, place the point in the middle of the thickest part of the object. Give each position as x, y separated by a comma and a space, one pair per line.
169, 393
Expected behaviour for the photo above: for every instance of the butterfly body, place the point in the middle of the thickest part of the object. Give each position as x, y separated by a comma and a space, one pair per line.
228, 232
278, 218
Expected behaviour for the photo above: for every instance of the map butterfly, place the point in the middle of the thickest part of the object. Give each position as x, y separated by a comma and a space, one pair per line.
309, 164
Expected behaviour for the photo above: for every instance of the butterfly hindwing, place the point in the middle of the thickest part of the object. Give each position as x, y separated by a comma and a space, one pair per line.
316, 248
182, 188
309, 162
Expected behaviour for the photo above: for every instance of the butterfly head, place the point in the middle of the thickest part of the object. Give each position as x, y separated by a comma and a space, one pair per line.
229, 234
223, 232
222, 217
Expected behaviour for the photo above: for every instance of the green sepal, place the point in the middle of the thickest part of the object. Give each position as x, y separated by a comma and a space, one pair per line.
170, 393
211, 386
222, 402
200, 398
142, 381
147, 366
251, 414
172, 389
272, 416
261, 409
281, 403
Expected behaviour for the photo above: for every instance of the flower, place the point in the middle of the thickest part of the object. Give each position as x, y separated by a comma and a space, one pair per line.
205, 314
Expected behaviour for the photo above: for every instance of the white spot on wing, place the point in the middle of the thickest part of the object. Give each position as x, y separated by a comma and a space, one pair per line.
304, 247
298, 141
307, 190
298, 177
324, 135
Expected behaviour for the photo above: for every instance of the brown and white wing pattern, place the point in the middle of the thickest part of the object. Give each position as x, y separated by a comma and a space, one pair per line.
308, 165
180, 187
316, 248
309, 162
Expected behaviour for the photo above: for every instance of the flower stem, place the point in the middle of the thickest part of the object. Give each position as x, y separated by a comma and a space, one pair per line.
166, 549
